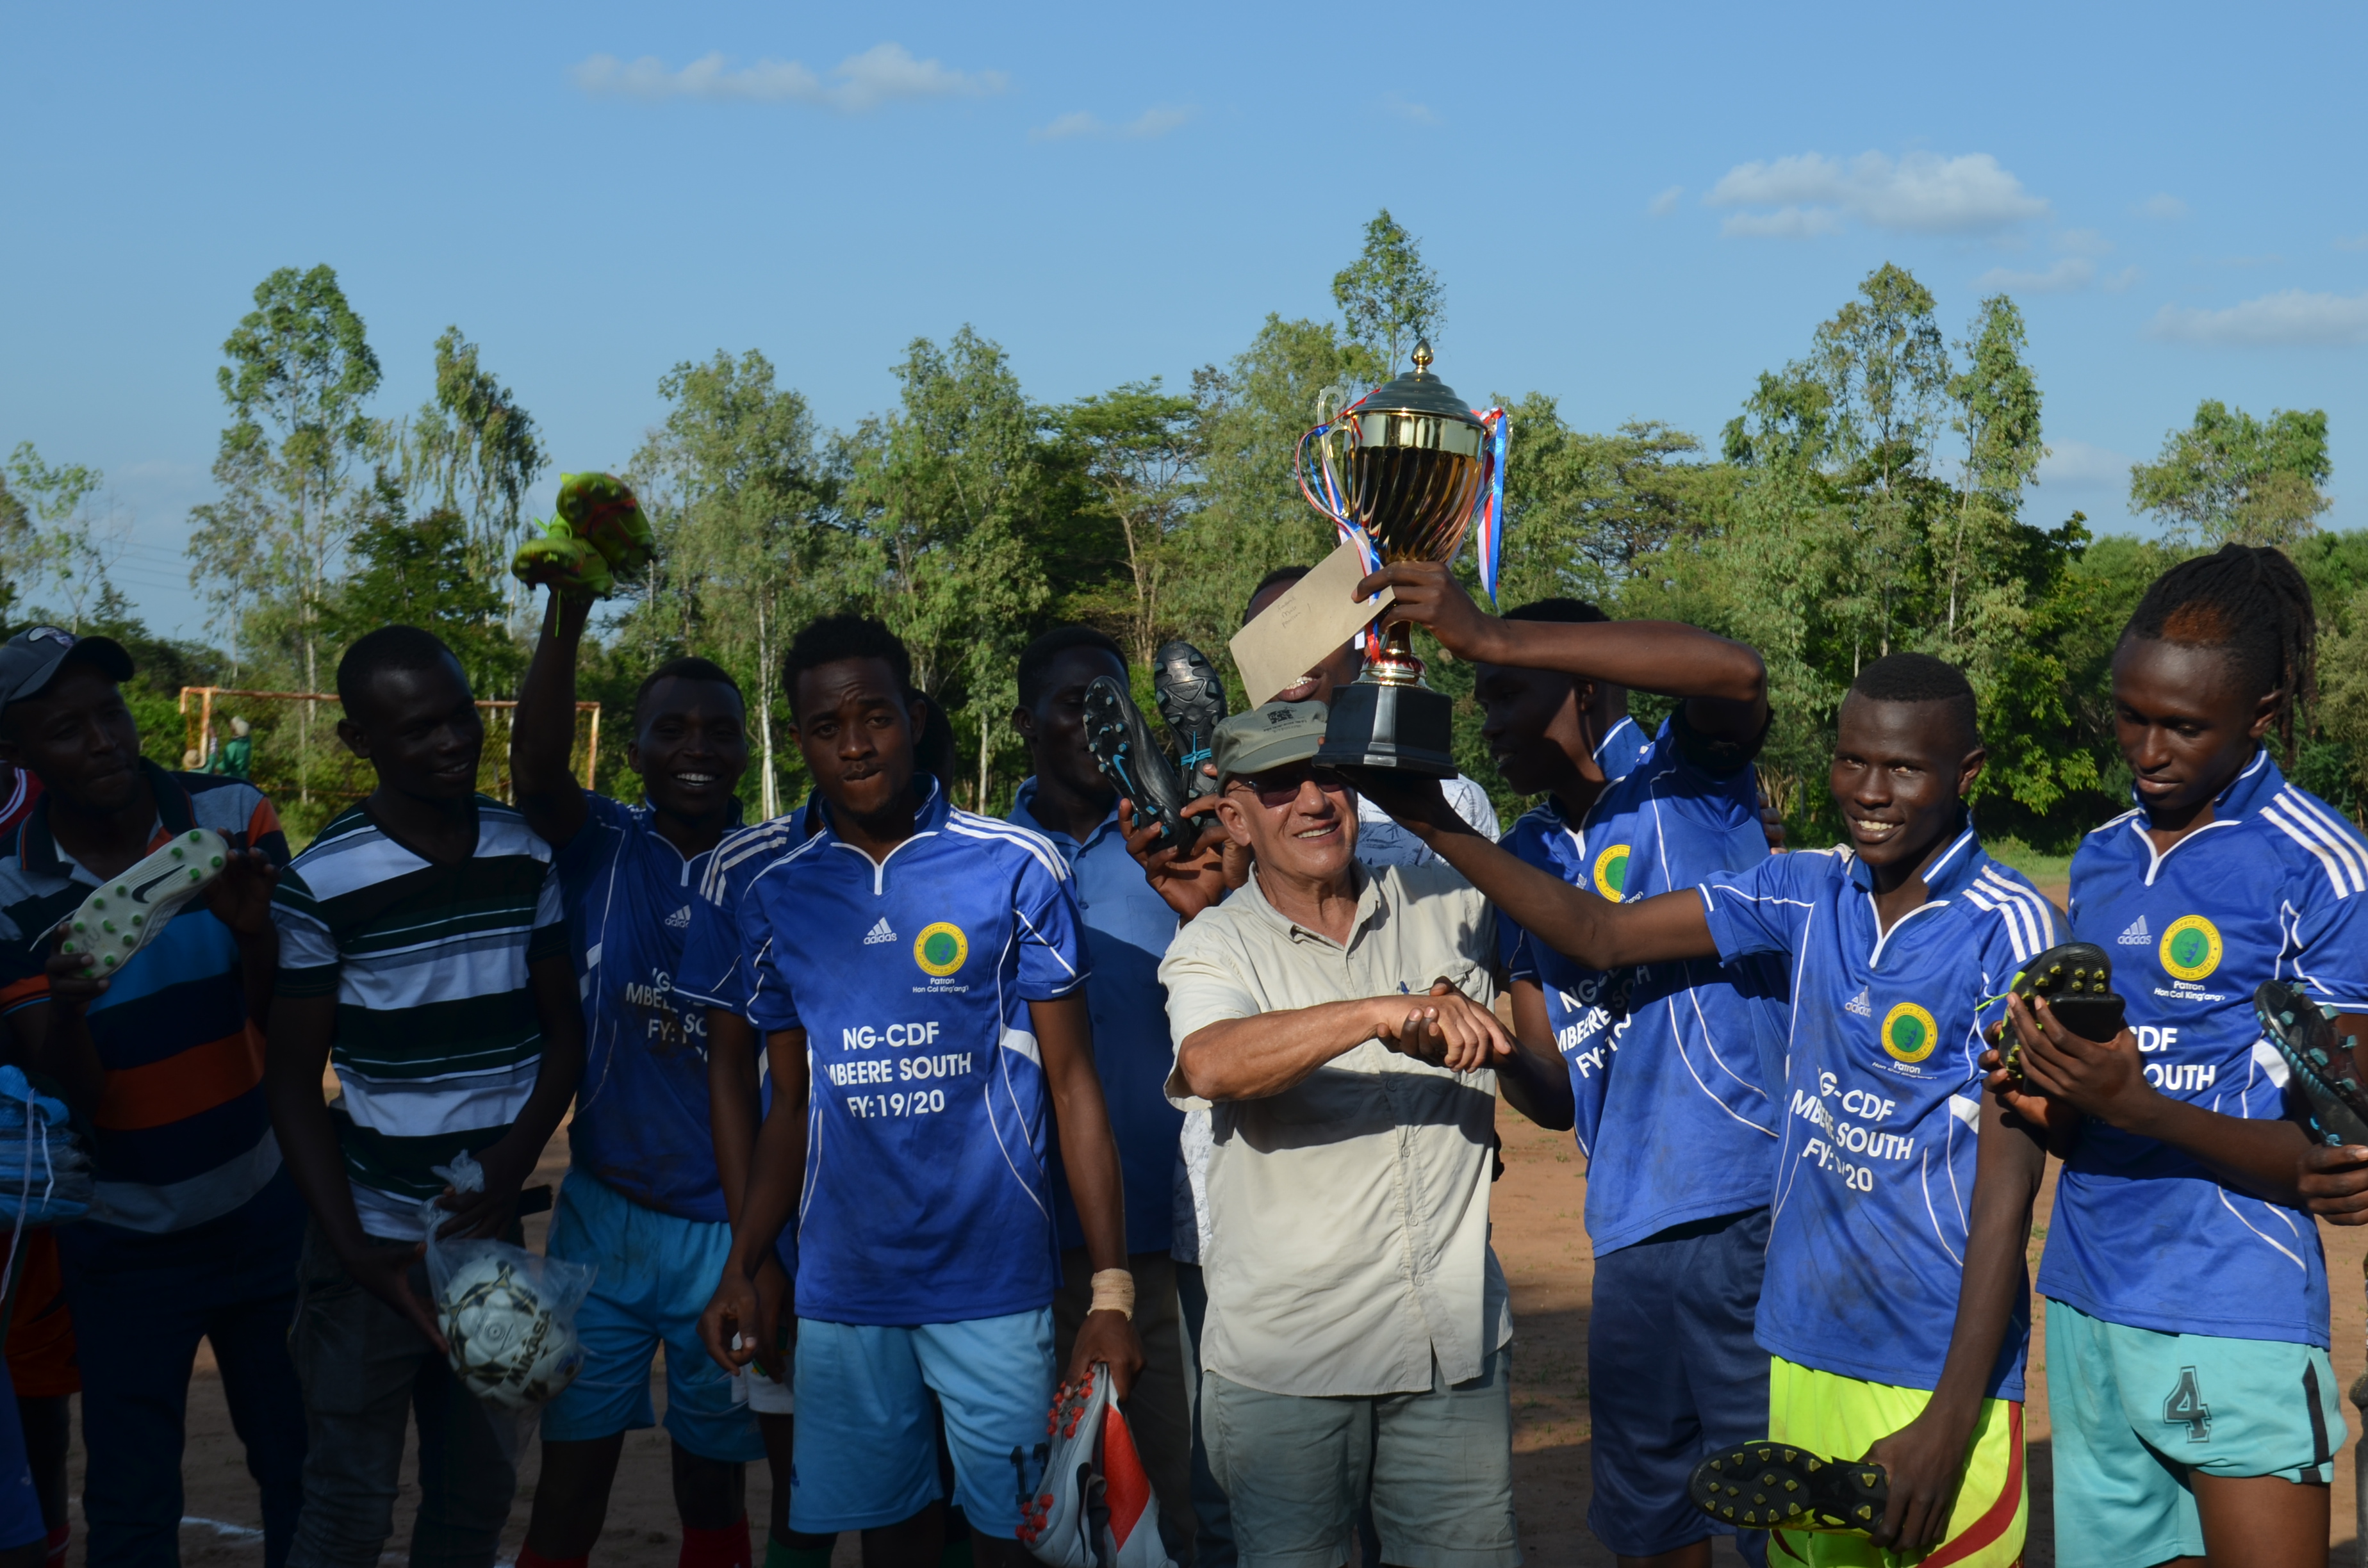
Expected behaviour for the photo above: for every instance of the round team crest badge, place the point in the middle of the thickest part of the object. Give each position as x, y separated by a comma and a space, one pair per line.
2191, 948
1908, 1033
940, 949
1611, 871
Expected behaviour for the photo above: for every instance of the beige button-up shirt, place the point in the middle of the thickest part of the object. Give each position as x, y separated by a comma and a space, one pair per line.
1350, 1213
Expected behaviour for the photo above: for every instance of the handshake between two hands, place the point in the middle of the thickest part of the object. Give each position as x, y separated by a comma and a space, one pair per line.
1444, 1028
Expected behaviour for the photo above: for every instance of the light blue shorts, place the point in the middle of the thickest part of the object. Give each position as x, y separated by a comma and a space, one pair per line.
2133, 1410
657, 1273
867, 1435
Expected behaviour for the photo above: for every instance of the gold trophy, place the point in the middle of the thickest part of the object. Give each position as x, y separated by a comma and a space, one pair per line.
1403, 472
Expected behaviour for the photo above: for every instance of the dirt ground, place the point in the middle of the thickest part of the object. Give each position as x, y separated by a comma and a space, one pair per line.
1547, 1259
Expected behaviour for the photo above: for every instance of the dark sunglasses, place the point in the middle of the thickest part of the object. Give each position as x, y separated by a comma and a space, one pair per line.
1280, 785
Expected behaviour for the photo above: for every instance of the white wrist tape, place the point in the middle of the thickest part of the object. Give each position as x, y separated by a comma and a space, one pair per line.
1113, 1292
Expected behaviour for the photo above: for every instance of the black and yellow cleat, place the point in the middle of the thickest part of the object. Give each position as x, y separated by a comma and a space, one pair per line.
2077, 979
1776, 1486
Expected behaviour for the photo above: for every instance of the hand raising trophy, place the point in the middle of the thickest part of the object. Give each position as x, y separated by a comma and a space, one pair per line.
1403, 473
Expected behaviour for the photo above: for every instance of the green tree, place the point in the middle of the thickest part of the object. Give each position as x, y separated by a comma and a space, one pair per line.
1140, 450
299, 369
2229, 476
473, 449
953, 490
1387, 297
738, 493
57, 542
1252, 518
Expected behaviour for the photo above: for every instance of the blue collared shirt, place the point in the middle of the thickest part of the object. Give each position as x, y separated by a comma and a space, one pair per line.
1128, 926
1686, 1127
2275, 887
1874, 1177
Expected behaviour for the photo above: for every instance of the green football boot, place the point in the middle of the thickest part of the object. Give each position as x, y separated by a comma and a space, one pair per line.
601, 511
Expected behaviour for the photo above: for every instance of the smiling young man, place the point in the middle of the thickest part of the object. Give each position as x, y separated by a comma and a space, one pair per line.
423, 947
643, 1203
2194, 1406
1666, 1084
1894, 1300
918, 975
195, 1223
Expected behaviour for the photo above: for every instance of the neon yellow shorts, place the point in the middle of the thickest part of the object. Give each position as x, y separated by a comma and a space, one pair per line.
1842, 1417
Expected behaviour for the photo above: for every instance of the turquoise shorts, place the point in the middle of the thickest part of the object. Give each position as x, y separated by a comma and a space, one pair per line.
656, 1274
866, 1451
2133, 1409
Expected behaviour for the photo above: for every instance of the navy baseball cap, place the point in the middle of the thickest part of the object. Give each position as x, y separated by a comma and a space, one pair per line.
30, 660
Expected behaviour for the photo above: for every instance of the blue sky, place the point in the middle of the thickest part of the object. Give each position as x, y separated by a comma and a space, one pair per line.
1635, 209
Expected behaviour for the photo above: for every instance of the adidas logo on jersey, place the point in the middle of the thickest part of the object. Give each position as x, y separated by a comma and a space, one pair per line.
1860, 1004
879, 934
2135, 937
680, 920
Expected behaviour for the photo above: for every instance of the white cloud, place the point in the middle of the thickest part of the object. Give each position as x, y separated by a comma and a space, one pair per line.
1785, 223
1420, 114
2078, 463
2122, 279
884, 73
2351, 241
2083, 241
2288, 317
1665, 203
1151, 122
1921, 193
2074, 272
2162, 205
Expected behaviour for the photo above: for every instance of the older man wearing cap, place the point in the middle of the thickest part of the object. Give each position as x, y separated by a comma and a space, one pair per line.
1336, 1019
194, 1224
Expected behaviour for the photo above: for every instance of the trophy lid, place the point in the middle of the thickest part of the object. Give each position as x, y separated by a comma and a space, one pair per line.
1420, 391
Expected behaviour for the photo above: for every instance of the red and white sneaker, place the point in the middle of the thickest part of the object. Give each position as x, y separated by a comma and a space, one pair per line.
1095, 1509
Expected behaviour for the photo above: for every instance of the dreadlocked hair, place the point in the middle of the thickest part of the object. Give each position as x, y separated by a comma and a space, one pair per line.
2250, 601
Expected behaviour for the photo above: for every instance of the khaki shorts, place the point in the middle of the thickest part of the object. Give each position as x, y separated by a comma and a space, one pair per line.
1296, 1469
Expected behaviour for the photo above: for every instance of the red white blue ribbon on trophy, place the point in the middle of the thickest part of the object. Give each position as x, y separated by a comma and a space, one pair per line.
1488, 535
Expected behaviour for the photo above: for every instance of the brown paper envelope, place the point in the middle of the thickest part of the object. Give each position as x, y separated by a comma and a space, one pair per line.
1299, 630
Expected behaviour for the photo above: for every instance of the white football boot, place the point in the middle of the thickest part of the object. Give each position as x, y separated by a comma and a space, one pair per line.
131, 910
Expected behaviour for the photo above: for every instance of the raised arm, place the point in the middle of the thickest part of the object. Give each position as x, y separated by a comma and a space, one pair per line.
543, 732
1723, 682
1926, 1457
1572, 921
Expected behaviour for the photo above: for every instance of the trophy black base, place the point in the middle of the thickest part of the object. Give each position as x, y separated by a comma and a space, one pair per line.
1409, 729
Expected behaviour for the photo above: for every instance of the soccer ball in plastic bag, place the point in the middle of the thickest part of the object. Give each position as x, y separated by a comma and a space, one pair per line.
508, 1346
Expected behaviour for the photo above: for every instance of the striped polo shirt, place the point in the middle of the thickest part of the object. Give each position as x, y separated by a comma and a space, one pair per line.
183, 1136
438, 1042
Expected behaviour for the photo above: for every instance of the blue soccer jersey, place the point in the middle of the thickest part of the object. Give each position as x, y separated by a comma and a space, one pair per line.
1619, 752
1874, 1178
1685, 1128
641, 1116
926, 1197
2269, 890
713, 972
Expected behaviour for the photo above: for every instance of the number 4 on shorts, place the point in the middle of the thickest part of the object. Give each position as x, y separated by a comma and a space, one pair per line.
2185, 1407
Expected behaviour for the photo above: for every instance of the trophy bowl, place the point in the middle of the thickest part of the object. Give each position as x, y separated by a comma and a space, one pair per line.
1403, 471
